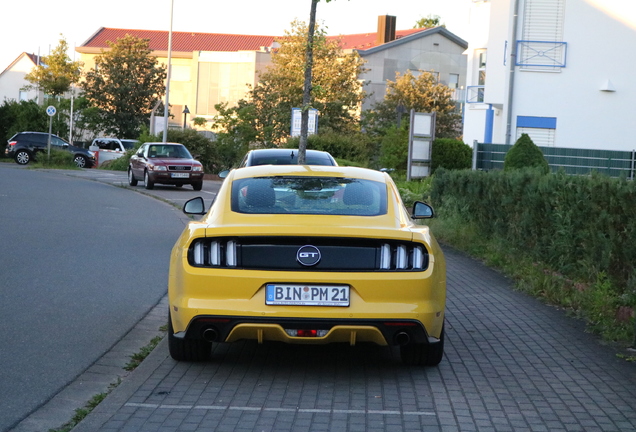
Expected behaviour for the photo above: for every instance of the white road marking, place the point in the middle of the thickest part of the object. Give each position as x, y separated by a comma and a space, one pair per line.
291, 410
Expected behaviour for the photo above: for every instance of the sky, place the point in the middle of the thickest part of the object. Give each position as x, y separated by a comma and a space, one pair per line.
32, 25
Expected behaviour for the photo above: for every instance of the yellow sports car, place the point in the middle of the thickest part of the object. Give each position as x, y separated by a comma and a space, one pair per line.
307, 254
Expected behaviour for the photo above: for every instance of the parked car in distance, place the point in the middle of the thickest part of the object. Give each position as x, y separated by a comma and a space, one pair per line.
279, 156
165, 163
24, 147
307, 256
112, 148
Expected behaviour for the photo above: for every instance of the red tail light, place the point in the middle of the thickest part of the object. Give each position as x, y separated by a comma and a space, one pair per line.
307, 333
12, 143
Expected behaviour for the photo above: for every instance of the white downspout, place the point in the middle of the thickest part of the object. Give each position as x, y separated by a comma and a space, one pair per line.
511, 82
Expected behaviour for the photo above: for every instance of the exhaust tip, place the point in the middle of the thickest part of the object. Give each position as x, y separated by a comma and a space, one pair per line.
402, 338
209, 335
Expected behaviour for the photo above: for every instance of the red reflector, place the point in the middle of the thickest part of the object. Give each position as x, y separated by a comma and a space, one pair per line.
307, 333
400, 324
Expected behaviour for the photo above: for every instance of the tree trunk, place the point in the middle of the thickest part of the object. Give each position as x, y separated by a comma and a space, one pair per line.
309, 61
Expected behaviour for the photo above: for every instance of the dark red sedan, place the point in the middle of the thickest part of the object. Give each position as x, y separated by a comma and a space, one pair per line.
165, 163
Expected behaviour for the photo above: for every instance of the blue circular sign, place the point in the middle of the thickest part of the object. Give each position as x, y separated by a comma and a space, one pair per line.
50, 110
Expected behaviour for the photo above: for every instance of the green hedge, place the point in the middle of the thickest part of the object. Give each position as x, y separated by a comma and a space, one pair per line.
582, 227
356, 147
451, 154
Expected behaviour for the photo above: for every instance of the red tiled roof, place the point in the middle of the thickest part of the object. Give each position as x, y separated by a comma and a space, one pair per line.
192, 41
34, 58
183, 41
365, 41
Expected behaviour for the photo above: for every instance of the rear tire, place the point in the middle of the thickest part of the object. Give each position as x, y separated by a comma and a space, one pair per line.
132, 181
22, 157
423, 354
191, 350
80, 161
147, 181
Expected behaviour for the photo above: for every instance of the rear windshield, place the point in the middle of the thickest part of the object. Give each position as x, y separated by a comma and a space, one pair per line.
309, 195
291, 159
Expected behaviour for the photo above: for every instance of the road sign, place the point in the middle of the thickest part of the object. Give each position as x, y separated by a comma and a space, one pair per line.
296, 119
50, 110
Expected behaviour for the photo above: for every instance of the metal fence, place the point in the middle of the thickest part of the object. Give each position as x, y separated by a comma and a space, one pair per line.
574, 161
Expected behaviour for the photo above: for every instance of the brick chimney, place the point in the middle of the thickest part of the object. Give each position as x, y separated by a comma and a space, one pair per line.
386, 29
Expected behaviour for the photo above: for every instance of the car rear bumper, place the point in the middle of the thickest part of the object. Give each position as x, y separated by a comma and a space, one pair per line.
352, 331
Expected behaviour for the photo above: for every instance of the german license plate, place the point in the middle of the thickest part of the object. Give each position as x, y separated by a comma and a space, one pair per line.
307, 295
180, 175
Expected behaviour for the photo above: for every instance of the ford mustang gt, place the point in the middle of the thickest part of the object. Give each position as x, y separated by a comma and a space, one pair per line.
307, 255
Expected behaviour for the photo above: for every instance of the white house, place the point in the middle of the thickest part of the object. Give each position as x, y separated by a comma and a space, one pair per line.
559, 70
12, 80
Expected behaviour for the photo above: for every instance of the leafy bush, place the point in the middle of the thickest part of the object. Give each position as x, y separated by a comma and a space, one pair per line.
394, 148
451, 154
525, 154
355, 147
119, 164
21, 116
59, 159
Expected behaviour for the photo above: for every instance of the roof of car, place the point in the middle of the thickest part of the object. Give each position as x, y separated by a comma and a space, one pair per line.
163, 143
308, 170
279, 151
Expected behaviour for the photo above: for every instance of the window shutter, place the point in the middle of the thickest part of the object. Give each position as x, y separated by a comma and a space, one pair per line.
541, 137
541, 46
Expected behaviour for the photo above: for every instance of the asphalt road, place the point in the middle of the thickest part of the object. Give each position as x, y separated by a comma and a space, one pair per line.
82, 262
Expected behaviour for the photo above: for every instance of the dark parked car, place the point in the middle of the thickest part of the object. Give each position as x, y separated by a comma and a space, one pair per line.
24, 147
165, 163
279, 156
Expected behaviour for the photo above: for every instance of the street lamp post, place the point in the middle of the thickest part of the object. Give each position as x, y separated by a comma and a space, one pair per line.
166, 108
185, 112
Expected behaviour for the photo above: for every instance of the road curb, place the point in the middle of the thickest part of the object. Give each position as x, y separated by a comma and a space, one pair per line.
107, 371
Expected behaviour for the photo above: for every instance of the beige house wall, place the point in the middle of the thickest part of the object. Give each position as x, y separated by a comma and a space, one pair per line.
186, 87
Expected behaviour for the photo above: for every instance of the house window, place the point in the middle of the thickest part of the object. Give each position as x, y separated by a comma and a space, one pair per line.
541, 46
477, 92
23, 96
453, 81
542, 130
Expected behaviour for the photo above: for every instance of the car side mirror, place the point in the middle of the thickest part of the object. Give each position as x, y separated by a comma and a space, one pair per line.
194, 206
224, 174
421, 210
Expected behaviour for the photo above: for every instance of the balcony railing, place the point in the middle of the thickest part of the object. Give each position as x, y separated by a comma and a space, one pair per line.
541, 54
475, 94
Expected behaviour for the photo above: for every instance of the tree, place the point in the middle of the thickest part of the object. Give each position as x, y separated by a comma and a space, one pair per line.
423, 94
429, 22
57, 72
124, 85
21, 116
524, 154
267, 110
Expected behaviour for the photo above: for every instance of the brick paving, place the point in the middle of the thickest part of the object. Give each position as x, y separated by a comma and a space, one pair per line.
511, 364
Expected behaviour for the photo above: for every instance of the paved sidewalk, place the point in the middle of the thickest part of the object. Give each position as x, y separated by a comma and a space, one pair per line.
511, 364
